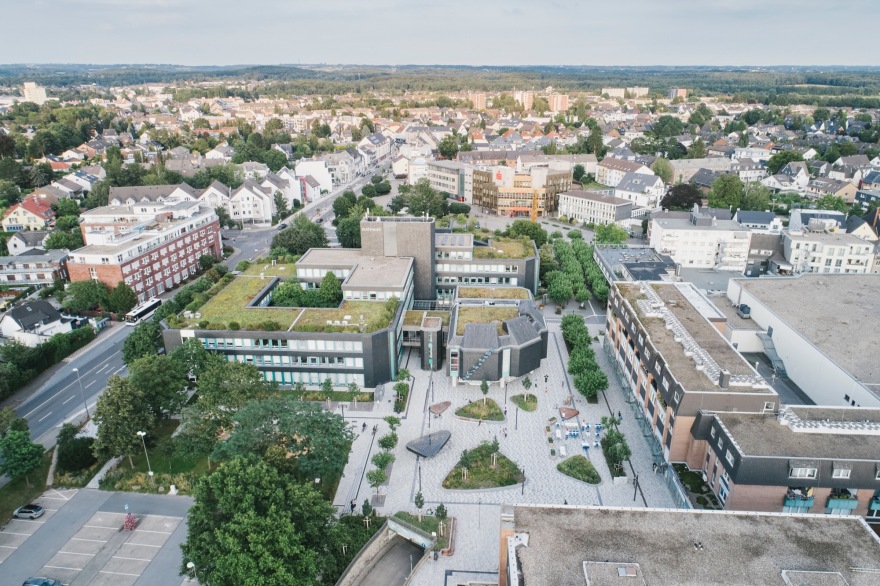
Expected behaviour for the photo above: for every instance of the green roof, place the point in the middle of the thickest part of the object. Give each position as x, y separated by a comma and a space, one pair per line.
505, 248
482, 314
492, 293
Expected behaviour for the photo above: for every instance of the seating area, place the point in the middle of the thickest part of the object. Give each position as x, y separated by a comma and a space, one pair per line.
575, 430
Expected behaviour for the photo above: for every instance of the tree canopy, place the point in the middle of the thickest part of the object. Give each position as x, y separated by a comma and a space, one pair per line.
300, 236
682, 197
529, 229
781, 159
144, 340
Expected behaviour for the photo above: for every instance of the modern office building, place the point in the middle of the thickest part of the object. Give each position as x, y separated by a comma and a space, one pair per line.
701, 241
503, 191
389, 290
448, 176
151, 246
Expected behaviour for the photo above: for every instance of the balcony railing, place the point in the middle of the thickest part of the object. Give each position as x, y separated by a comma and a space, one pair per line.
837, 502
874, 505
791, 500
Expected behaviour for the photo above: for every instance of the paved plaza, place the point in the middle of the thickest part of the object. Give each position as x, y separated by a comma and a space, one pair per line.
478, 511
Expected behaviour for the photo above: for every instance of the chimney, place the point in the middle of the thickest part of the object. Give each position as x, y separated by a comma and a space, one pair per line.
724, 379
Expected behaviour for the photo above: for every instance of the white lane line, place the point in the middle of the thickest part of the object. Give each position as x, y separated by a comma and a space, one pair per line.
162, 532
75, 553
69, 399
90, 384
119, 557
44, 416
37, 408
102, 369
9, 547
118, 370
63, 568
92, 540
118, 573
100, 527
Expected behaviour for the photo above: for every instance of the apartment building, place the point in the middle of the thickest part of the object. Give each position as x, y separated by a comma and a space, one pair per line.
34, 269
594, 207
478, 100
448, 176
34, 212
665, 343
503, 191
702, 241
611, 171
34, 93
613, 92
151, 246
677, 92
527, 99
645, 191
684, 169
826, 252
558, 102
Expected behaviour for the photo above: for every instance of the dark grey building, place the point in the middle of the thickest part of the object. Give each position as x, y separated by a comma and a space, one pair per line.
408, 236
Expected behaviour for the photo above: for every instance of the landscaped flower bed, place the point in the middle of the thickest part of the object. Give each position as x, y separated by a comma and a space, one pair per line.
580, 468
526, 402
488, 410
481, 473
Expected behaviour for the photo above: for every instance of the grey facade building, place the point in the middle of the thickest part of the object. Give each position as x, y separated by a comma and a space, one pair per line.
411, 237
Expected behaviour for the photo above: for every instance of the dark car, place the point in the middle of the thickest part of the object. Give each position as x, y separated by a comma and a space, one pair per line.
28, 512
41, 582
319, 220
282, 226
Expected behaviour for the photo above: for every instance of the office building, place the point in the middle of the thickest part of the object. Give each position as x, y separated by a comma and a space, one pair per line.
503, 191
594, 207
701, 241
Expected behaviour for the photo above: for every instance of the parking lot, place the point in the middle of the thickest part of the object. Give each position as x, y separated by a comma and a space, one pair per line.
79, 540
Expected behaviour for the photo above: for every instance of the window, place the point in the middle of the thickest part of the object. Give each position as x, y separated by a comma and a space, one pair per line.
712, 432
840, 473
720, 444
729, 457
802, 473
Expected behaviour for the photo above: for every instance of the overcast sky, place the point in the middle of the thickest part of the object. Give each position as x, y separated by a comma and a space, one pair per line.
471, 32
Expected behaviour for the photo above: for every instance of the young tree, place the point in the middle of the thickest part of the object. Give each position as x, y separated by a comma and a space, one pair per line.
330, 290
403, 374
527, 384
392, 421
382, 460
375, 478
10, 421
419, 502
145, 340
663, 169
162, 382
610, 234
121, 412
440, 512
726, 192
577, 172
19, 455
531, 230
448, 146
122, 298
484, 388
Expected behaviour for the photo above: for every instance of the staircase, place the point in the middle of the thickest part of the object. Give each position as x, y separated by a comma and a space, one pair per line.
479, 363
770, 351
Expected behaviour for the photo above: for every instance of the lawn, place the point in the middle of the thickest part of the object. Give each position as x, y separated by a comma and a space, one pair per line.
319, 395
480, 314
413, 318
428, 525
480, 472
229, 306
266, 268
443, 315
504, 248
314, 319
18, 493
700, 493
492, 293
580, 468
168, 467
489, 410
526, 402
596, 186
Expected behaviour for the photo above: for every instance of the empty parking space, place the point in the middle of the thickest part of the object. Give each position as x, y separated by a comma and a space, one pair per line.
101, 553
17, 531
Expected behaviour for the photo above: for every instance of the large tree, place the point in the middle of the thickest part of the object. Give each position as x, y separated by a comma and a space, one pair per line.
610, 234
145, 340
448, 146
831, 202
193, 358
86, 295
299, 438
300, 236
121, 412
663, 169
226, 386
424, 199
348, 231
162, 382
726, 192
781, 159
122, 298
251, 526
682, 197
19, 455
529, 229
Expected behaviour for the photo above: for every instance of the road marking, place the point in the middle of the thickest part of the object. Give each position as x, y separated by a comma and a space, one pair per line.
100, 527
37, 408
90, 384
102, 369
69, 399
143, 544
14, 533
44, 416
63, 568
162, 532
120, 369
75, 553
9, 547
84, 539
119, 573
119, 557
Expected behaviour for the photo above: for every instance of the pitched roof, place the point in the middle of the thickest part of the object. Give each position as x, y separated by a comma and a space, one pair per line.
34, 312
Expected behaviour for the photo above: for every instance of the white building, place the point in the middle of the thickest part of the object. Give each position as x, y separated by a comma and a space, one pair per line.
34, 322
610, 171
827, 252
702, 241
317, 168
645, 191
594, 207
34, 93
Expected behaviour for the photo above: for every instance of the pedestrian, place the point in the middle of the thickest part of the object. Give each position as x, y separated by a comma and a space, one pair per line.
619, 416
353, 505
505, 410
480, 422
654, 466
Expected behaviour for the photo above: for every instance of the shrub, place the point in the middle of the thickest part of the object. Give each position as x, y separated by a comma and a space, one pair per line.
580, 468
234, 325
388, 441
74, 453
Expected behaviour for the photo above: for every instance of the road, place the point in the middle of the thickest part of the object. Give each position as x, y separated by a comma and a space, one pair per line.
60, 398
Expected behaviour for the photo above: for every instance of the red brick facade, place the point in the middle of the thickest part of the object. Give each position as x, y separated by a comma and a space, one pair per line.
157, 269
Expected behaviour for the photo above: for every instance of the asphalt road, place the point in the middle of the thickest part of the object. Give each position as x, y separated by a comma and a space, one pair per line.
60, 398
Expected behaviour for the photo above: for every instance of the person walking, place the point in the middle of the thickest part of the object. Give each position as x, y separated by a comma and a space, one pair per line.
352, 506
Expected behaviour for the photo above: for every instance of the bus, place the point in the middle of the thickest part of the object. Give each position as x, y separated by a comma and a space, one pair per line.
142, 311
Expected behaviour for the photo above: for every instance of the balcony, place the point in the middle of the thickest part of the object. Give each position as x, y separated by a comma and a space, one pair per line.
842, 500
874, 505
799, 497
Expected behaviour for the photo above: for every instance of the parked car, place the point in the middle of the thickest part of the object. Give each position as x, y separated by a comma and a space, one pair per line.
28, 512
282, 226
41, 582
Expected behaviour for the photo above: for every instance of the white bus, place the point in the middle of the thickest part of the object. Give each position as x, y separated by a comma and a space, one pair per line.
142, 311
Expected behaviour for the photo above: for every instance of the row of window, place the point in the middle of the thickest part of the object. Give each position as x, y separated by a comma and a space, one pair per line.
475, 268
283, 344
478, 280
288, 360
339, 379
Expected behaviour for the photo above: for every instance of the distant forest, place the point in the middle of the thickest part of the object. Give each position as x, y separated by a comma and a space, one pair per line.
825, 86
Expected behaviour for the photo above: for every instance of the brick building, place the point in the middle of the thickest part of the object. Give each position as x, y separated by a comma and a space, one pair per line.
151, 246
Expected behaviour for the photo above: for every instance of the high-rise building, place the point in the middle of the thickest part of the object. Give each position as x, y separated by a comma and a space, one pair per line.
478, 100
637, 92
558, 102
678, 92
34, 93
527, 99
614, 92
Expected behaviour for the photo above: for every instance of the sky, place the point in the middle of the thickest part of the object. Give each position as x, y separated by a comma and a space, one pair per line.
453, 32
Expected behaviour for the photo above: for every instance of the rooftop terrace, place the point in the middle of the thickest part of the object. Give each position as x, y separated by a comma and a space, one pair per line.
483, 314
505, 248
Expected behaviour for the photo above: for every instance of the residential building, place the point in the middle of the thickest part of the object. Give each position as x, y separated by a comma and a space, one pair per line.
677, 93
801, 219
701, 241
34, 93
558, 102
610, 171
684, 169
151, 246
617, 546
645, 191
826, 252
823, 186
865, 197
503, 191
613, 92
34, 212
478, 100
633, 263
665, 343
748, 170
594, 207
375, 148
527, 99
34, 322
756, 153
27, 241
763, 221
637, 92
318, 169
526, 161
34, 267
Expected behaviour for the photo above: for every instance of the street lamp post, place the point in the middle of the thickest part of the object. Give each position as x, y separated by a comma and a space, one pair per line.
82, 392
144, 442
192, 566
523, 491
342, 406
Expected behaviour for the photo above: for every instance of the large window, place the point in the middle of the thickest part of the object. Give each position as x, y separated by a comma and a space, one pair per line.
802, 473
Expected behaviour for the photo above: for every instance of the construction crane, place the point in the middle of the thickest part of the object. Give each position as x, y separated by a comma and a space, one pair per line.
534, 215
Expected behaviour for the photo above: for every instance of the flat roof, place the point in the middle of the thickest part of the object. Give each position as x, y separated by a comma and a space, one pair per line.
505, 248
484, 314
737, 548
454, 240
595, 195
694, 320
381, 272
838, 237
835, 313
493, 293
686, 224
847, 438
330, 256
